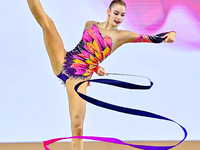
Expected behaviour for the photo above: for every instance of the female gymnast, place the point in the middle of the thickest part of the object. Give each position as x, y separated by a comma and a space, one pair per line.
99, 40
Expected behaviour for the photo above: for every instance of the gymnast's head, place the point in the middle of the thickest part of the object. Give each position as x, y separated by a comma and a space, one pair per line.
116, 12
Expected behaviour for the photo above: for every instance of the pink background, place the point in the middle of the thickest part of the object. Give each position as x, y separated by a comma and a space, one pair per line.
155, 16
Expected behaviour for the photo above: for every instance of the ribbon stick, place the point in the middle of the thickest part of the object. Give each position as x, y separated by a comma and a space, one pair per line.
130, 111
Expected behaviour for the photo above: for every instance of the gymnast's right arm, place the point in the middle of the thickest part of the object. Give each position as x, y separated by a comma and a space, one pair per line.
38, 12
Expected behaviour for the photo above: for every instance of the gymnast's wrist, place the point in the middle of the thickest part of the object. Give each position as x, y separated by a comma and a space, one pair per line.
95, 70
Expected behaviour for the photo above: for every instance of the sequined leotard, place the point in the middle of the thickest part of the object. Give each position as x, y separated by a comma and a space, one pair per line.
92, 50
85, 57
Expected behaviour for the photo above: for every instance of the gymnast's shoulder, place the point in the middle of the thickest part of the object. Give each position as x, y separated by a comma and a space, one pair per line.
89, 24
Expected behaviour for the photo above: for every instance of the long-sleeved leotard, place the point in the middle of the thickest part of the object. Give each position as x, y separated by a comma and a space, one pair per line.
92, 50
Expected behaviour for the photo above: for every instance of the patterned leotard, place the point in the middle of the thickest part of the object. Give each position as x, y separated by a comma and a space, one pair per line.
92, 50
85, 57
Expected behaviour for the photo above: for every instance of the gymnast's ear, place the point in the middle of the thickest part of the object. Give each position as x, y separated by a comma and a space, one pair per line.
108, 12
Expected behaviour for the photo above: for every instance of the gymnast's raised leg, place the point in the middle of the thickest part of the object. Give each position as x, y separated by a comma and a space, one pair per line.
52, 39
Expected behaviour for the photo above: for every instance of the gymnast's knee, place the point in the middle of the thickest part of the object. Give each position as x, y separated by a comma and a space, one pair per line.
77, 130
77, 126
47, 23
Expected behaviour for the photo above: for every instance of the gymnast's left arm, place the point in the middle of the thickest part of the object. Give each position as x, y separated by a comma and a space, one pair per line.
132, 37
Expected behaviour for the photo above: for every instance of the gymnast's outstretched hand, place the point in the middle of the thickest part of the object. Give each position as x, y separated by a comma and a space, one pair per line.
169, 37
101, 71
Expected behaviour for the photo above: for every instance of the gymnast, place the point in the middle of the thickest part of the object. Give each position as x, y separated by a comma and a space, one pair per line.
99, 40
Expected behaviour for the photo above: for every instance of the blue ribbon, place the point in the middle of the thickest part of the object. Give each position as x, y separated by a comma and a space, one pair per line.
122, 110
127, 85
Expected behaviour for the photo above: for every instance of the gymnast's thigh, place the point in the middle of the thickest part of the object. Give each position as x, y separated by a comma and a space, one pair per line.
54, 45
77, 106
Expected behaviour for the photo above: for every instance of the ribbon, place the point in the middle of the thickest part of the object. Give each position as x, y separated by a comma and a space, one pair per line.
130, 111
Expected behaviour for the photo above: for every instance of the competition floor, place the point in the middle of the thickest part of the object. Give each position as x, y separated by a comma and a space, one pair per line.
187, 145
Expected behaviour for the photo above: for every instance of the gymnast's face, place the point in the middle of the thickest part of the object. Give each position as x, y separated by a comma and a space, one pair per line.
116, 14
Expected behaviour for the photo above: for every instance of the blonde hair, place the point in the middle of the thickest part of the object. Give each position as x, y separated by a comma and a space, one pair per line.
121, 2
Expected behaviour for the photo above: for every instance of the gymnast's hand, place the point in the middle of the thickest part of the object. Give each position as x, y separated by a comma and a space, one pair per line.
101, 71
169, 37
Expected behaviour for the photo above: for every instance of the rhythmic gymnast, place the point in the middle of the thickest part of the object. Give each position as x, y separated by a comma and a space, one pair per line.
99, 40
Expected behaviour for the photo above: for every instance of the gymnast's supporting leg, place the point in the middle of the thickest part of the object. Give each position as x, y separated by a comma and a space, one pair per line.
77, 107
